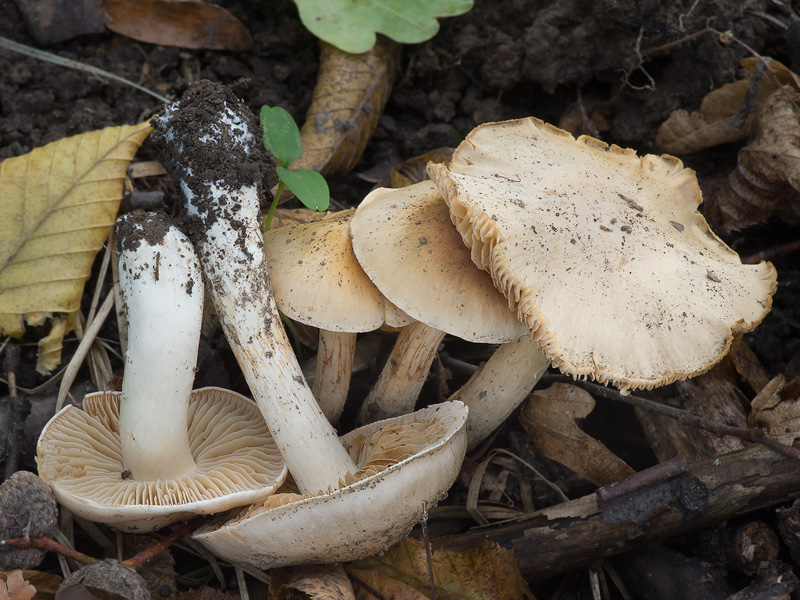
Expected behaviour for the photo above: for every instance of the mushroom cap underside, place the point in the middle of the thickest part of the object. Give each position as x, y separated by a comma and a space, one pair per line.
80, 457
602, 253
403, 462
406, 243
317, 280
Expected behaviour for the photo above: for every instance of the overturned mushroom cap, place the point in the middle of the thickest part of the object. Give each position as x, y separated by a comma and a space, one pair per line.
80, 456
317, 280
404, 240
402, 463
602, 253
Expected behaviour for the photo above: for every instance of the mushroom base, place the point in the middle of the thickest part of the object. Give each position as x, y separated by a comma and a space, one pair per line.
403, 462
80, 456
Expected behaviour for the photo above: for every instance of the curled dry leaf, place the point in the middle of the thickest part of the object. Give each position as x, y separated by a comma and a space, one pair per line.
487, 573
57, 205
719, 120
776, 408
16, 587
182, 23
414, 169
549, 416
348, 100
766, 180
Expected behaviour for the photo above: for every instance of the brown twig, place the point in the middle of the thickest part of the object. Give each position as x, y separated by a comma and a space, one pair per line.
138, 560
771, 253
756, 436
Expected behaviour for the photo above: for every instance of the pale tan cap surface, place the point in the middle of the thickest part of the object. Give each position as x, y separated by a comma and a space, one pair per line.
237, 462
317, 280
405, 241
602, 253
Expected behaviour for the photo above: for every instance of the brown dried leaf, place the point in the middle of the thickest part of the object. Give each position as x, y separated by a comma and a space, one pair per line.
369, 584
414, 169
310, 582
767, 178
776, 408
182, 23
348, 100
487, 573
549, 416
716, 122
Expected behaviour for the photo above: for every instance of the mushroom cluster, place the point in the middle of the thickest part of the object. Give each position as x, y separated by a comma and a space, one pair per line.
558, 250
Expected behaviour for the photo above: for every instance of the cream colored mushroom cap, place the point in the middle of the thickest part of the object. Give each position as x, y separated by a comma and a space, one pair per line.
602, 253
317, 280
405, 242
80, 456
424, 451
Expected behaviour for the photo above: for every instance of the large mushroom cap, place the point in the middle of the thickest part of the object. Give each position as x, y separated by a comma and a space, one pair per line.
405, 241
317, 280
237, 462
402, 462
602, 253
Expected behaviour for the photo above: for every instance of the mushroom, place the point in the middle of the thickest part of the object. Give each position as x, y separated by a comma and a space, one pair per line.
158, 452
602, 253
405, 242
317, 281
212, 147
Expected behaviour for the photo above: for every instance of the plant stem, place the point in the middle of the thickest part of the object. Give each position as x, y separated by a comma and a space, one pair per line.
273, 206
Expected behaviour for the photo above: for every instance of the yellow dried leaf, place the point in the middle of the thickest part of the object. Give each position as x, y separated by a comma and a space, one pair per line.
549, 416
487, 573
716, 122
57, 205
348, 100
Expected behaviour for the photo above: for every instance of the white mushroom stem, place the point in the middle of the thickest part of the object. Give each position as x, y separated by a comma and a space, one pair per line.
162, 287
500, 385
334, 367
400, 382
225, 220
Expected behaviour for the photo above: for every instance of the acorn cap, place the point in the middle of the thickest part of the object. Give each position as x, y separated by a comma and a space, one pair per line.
602, 253
237, 462
27, 508
405, 242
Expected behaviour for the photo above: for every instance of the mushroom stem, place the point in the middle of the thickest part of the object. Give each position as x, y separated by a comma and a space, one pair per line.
335, 354
209, 128
399, 384
157, 278
500, 385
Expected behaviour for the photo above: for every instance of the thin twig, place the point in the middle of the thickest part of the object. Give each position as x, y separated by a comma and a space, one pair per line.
73, 64
138, 560
427, 541
756, 436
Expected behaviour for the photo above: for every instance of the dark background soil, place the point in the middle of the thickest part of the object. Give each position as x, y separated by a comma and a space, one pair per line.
627, 63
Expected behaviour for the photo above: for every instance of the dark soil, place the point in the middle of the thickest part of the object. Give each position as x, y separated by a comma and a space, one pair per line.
614, 69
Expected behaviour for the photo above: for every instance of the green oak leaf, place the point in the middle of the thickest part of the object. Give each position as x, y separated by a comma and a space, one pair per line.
309, 186
351, 25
